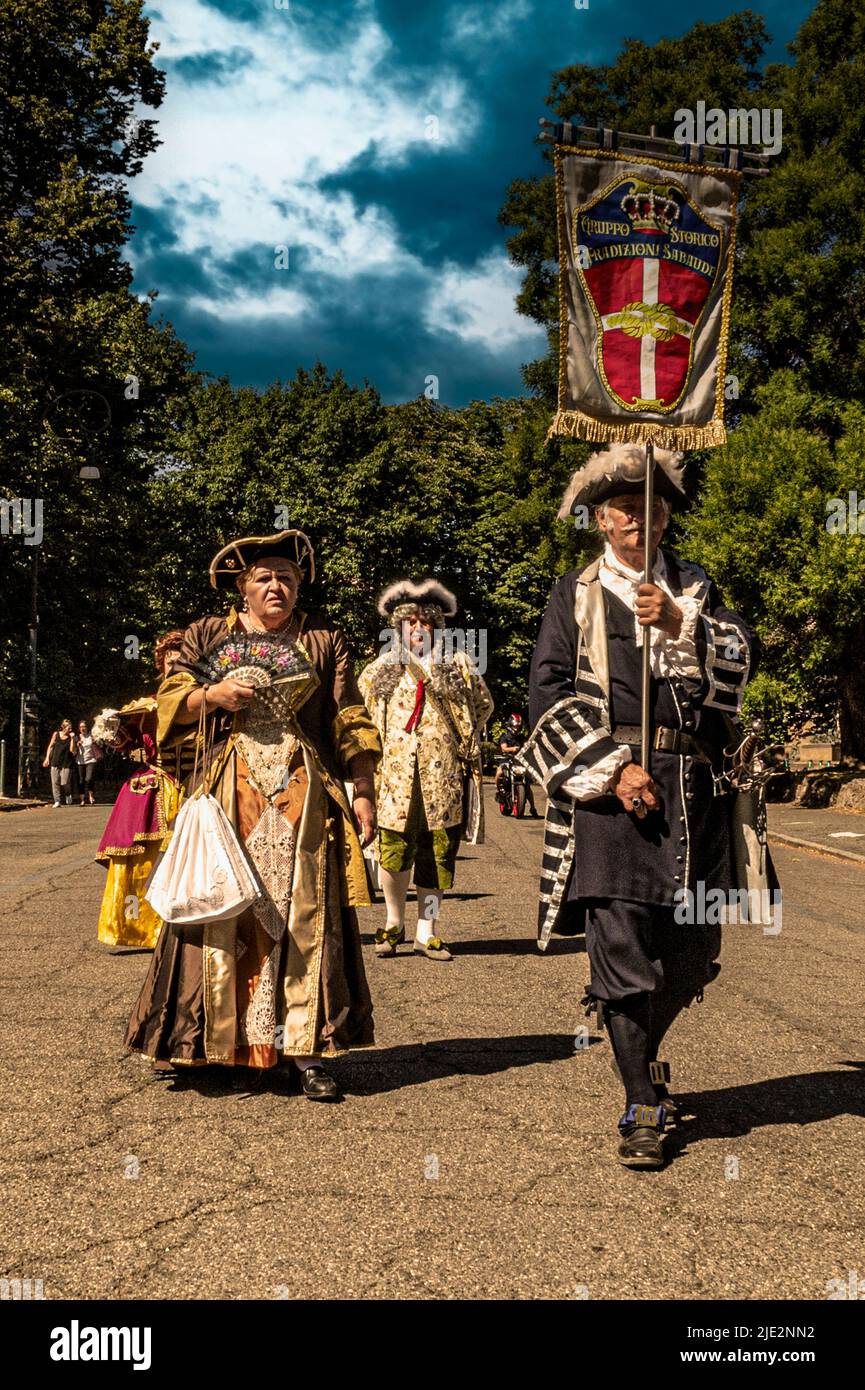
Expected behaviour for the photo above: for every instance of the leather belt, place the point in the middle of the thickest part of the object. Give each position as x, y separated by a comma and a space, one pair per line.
667, 741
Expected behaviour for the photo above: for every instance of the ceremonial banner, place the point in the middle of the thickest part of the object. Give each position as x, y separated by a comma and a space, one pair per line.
645, 281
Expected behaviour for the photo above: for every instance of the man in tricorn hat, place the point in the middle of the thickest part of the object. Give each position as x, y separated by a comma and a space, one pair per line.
622, 843
429, 706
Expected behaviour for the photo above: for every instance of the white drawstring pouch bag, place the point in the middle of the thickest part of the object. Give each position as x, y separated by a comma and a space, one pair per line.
203, 875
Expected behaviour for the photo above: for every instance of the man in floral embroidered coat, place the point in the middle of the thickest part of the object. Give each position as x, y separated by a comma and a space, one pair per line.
429, 708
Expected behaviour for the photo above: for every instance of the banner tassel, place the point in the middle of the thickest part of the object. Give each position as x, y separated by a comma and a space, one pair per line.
576, 425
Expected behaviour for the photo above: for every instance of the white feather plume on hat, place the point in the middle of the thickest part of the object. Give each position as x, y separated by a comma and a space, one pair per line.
620, 468
428, 593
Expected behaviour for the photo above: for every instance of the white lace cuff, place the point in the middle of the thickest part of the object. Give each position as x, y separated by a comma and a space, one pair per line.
597, 780
678, 655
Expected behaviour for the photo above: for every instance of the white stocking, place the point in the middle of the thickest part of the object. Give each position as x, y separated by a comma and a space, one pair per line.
429, 906
395, 887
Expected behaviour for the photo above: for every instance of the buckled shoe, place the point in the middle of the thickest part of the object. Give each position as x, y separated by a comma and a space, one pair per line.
434, 949
387, 939
641, 1131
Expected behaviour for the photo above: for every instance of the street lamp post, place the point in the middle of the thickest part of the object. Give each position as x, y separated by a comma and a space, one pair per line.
28, 727
28, 739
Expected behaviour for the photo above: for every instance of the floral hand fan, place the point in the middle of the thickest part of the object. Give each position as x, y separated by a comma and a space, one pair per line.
262, 661
266, 733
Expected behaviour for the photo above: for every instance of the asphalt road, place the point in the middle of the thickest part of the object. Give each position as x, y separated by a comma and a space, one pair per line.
841, 833
474, 1154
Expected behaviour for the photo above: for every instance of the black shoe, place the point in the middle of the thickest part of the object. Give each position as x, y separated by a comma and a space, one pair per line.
318, 1084
641, 1129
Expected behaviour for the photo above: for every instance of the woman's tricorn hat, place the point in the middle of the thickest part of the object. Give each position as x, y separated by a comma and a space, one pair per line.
429, 598
238, 555
621, 469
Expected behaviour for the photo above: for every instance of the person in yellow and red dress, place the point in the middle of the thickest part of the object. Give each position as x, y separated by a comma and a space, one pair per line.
141, 818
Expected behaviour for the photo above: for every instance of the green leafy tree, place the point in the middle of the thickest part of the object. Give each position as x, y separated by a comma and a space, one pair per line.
313, 454
799, 302
765, 529
88, 378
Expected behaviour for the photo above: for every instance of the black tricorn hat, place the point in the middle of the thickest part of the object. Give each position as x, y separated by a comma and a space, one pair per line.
621, 469
238, 555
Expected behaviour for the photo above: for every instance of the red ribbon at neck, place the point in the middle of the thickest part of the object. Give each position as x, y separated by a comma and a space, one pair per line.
418, 706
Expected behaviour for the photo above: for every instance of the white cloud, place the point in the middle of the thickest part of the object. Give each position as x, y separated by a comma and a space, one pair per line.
242, 159
257, 143
232, 308
478, 305
487, 22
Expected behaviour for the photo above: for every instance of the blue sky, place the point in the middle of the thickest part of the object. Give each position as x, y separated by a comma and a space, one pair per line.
374, 140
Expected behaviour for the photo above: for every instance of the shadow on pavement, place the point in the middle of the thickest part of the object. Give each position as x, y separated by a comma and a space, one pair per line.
375, 1071
495, 946
414, 1064
804, 1099
509, 947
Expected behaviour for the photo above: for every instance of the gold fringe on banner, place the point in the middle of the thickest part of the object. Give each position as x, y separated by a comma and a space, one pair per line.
579, 426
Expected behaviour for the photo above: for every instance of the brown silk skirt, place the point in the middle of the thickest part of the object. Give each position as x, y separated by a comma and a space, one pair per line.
168, 1022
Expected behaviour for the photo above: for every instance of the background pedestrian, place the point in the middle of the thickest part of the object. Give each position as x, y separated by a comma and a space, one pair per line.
86, 757
60, 757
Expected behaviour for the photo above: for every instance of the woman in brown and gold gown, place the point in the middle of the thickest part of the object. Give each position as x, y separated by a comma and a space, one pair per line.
286, 977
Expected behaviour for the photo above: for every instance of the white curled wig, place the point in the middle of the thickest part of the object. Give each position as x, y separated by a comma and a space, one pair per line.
429, 598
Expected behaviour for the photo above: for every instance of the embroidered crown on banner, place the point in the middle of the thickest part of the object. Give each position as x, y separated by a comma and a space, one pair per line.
649, 208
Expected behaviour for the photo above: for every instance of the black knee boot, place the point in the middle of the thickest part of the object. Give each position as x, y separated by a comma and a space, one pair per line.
641, 1127
629, 1022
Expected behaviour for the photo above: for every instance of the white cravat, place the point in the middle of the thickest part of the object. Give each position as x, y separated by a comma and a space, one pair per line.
670, 656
